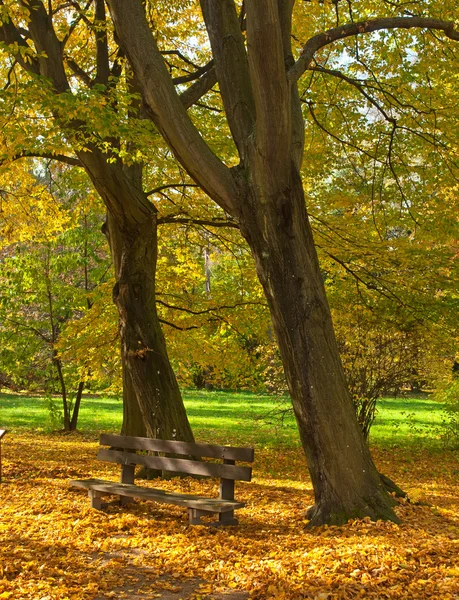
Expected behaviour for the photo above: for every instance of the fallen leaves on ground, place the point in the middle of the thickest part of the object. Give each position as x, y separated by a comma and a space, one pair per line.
55, 547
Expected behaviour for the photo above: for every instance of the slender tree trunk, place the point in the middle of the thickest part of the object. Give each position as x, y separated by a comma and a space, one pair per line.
345, 480
76, 407
65, 405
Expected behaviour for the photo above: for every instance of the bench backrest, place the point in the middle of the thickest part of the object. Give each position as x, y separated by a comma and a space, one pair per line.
122, 447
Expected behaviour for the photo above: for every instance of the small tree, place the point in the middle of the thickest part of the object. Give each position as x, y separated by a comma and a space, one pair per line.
45, 282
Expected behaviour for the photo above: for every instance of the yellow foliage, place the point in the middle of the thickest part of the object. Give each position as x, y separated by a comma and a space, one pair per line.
55, 546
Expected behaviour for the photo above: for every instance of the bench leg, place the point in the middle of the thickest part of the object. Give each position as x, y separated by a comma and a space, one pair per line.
125, 500
195, 514
226, 518
96, 499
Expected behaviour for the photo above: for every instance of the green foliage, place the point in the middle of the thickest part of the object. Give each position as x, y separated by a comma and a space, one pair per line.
47, 281
449, 396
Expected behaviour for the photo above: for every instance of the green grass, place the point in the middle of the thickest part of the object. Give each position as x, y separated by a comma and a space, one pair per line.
233, 418
407, 420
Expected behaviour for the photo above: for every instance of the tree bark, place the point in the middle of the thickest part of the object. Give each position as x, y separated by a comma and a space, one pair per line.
142, 341
76, 406
152, 402
345, 480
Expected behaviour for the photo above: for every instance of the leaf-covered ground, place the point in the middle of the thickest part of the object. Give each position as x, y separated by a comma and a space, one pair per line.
54, 546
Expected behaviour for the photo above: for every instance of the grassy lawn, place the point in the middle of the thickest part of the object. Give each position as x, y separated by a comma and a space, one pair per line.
233, 418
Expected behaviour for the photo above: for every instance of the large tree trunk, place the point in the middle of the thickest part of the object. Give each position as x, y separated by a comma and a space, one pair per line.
153, 403
345, 480
133, 421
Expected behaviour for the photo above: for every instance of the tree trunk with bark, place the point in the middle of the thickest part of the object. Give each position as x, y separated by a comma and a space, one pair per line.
345, 480
143, 346
76, 406
257, 79
152, 401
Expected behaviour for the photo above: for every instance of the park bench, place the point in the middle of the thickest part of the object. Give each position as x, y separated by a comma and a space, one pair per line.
124, 451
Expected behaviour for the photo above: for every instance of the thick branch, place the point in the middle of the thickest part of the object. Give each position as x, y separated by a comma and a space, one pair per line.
47, 45
224, 31
79, 72
351, 29
192, 221
100, 26
165, 107
195, 75
285, 8
196, 91
270, 88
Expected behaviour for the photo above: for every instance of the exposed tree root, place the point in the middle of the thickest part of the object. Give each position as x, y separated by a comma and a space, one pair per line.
379, 507
392, 487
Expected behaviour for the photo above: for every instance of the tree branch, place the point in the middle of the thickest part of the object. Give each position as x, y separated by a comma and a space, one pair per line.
160, 188
25, 327
224, 31
74, 162
193, 76
357, 85
271, 92
74, 24
191, 221
47, 45
100, 27
196, 91
165, 107
352, 29
79, 72
212, 309
177, 326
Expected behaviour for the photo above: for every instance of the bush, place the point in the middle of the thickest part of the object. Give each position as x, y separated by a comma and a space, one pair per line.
450, 426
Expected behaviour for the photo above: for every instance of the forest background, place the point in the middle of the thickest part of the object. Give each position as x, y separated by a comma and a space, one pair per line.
380, 181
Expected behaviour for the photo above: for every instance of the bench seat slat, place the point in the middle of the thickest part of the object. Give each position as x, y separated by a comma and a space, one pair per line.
161, 496
178, 465
175, 447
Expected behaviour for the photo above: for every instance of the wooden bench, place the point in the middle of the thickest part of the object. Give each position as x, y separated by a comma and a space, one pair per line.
123, 450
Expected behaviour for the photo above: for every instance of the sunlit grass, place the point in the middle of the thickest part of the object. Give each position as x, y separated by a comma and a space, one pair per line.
232, 418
